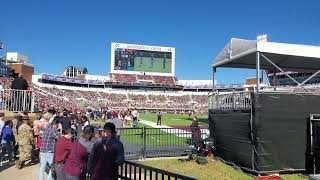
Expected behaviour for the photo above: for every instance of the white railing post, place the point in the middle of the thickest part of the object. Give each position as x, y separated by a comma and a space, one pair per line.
32, 101
16, 100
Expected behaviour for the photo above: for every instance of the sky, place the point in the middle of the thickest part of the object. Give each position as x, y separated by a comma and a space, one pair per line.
55, 34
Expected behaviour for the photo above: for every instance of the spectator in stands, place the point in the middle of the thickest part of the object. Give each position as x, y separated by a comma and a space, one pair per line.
49, 138
106, 155
63, 149
75, 166
7, 141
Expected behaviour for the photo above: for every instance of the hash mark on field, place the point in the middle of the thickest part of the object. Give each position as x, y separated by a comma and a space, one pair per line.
155, 139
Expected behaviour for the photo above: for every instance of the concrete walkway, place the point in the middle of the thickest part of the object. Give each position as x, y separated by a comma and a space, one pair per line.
26, 173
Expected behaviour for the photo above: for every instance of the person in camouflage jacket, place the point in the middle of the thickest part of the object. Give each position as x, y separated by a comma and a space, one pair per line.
25, 140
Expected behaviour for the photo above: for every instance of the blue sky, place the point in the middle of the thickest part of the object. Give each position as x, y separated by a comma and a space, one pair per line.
55, 34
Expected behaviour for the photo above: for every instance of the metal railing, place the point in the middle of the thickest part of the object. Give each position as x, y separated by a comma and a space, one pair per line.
234, 100
131, 170
16, 100
144, 142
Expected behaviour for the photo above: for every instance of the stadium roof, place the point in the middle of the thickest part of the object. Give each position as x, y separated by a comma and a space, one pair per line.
240, 53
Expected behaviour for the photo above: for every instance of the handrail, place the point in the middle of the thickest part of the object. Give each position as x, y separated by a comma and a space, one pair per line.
16, 100
131, 170
234, 100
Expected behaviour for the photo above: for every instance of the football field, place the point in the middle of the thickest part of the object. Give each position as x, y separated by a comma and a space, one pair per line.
146, 65
175, 119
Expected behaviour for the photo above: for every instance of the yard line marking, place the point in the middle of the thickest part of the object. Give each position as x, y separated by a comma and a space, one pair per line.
177, 132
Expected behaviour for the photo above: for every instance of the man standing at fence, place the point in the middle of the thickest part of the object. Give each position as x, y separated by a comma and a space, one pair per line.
106, 155
19, 84
195, 130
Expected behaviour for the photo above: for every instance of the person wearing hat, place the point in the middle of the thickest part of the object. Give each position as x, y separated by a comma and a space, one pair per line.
106, 155
25, 140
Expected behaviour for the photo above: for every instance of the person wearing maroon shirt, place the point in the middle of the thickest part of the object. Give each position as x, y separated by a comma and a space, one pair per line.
114, 114
107, 154
62, 150
75, 166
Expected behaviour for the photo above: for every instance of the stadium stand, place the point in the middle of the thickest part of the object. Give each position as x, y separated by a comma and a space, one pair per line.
135, 79
79, 98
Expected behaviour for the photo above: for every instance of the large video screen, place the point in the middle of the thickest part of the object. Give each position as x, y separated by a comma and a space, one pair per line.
142, 60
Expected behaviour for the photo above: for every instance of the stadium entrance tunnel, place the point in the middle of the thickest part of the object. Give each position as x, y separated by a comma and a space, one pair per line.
271, 135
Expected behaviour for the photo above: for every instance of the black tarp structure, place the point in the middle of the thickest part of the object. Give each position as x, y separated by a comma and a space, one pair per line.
272, 136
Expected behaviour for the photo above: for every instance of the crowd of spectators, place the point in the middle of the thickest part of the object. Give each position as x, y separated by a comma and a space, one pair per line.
5, 82
127, 78
167, 80
82, 99
134, 78
62, 142
46, 97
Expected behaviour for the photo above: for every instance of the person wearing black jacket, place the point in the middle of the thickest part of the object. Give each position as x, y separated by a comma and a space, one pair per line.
65, 121
18, 96
20, 83
107, 154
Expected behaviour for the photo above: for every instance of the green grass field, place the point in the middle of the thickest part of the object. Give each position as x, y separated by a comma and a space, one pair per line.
156, 136
214, 170
157, 65
174, 119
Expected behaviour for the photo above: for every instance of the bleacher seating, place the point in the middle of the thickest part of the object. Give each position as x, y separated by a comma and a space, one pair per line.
46, 97
135, 79
77, 99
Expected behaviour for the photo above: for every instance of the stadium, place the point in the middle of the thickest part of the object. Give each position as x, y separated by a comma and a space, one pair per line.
142, 78
142, 90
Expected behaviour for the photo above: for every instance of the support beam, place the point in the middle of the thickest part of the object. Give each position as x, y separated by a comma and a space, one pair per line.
274, 79
213, 79
213, 97
309, 78
280, 69
258, 71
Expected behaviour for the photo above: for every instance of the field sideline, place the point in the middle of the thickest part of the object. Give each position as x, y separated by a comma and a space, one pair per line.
175, 119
